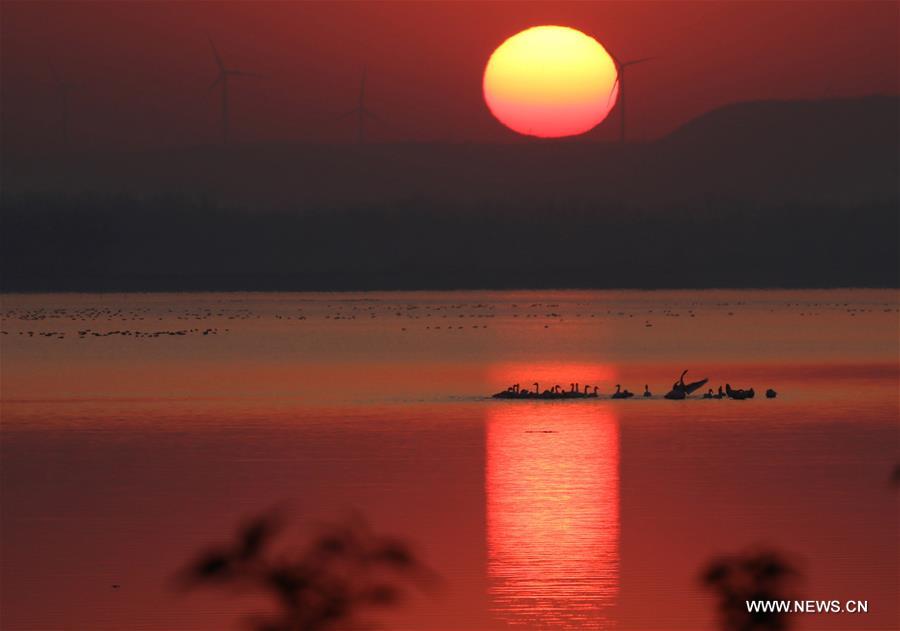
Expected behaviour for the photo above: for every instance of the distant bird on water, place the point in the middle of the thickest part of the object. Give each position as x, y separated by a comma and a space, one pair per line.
680, 390
738, 394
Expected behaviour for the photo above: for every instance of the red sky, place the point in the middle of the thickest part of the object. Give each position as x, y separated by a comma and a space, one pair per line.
144, 68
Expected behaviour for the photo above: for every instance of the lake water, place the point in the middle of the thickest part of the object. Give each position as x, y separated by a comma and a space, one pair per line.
125, 452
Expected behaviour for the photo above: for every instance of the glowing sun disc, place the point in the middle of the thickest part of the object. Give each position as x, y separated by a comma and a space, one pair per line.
550, 81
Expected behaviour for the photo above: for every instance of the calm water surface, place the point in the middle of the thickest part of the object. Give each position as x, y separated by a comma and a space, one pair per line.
131, 439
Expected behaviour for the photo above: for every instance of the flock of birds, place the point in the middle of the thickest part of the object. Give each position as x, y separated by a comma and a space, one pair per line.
97, 316
680, 391
84, 333
433, 317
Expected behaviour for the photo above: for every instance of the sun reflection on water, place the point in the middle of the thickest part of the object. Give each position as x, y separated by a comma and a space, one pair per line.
553, 514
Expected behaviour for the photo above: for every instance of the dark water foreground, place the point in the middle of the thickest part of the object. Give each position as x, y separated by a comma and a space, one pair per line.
124, 454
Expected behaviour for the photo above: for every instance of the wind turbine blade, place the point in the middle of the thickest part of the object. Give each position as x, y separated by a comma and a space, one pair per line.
372, 115
217, 81
216, 55
635, 62
612, 89
241, 73
353, 112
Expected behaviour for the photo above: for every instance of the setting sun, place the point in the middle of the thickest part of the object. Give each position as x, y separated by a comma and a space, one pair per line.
550, 81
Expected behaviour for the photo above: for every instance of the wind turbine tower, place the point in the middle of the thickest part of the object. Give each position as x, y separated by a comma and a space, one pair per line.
361, 111
63, 89
621, 67
222, 78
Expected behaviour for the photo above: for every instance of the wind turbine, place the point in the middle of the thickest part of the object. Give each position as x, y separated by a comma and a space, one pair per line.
223, 76
63, 89
621, 66
361, 111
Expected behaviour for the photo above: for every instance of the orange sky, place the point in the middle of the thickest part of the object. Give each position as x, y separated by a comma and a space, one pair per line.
144, 67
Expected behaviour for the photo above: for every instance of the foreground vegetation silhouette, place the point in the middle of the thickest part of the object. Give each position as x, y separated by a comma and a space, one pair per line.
327, 584
756, 575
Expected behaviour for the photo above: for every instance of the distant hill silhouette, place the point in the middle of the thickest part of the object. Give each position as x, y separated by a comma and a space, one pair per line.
771, 193
840, 150
832, 150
